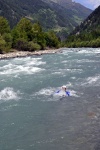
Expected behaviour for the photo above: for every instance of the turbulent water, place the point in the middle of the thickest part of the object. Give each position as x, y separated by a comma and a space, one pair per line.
33, 118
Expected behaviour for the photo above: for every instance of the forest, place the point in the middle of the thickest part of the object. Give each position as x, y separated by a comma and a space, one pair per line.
25, 36
85, 39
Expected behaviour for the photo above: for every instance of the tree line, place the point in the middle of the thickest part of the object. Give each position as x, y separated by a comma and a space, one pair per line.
25, 36
84, 39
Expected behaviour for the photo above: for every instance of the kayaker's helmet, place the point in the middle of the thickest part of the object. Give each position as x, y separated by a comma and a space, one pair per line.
64, 87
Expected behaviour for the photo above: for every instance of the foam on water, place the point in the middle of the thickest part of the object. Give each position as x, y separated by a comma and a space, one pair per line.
67, 70
75, 93
92, 80
36, 63
89, 51
74, 78
44, 91
25, 66
86, 60
65, 61
68, 50
8, 93
84, 51
95, 81
57, 72
48, 94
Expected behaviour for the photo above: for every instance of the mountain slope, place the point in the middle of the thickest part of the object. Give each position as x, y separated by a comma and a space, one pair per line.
52, 14
88, 33
91, 23
13, 10
70, 12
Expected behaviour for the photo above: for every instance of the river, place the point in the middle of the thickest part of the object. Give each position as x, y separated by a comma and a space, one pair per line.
32, 118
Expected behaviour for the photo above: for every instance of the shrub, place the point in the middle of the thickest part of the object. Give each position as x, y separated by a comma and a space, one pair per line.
33, 46
2, 45
8, 39
21, 44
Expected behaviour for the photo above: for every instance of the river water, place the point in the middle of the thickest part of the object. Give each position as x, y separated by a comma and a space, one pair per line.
32, 118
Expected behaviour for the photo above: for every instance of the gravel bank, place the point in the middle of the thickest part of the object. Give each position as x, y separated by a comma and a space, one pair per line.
27, 53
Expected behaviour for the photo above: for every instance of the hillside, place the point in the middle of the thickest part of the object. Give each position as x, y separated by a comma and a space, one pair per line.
14, 10
88, 33
91, 23
59, 15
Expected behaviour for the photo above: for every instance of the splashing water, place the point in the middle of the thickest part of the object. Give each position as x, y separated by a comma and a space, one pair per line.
9, 94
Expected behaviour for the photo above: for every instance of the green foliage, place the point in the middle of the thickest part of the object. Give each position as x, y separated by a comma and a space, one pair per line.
94, 42
33, 46
16, 35
5, 35
21, 44
4, 26
4, 48
38, 35
26, 36
8, 39
37, 28
51, 39
2, 44
24, 28
48, 15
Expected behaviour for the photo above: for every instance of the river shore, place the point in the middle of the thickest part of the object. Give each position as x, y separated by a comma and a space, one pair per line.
27, 53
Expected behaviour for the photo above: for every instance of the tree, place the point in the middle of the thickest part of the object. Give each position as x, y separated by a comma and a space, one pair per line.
22, 32
2, 44
24, 27
4, 25
16, 35
8, 39
51, 39
38, 35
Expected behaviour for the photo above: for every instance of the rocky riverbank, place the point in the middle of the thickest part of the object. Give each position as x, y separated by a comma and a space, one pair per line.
27, 53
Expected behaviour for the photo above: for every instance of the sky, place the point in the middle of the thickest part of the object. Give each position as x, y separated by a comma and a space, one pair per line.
92, 4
